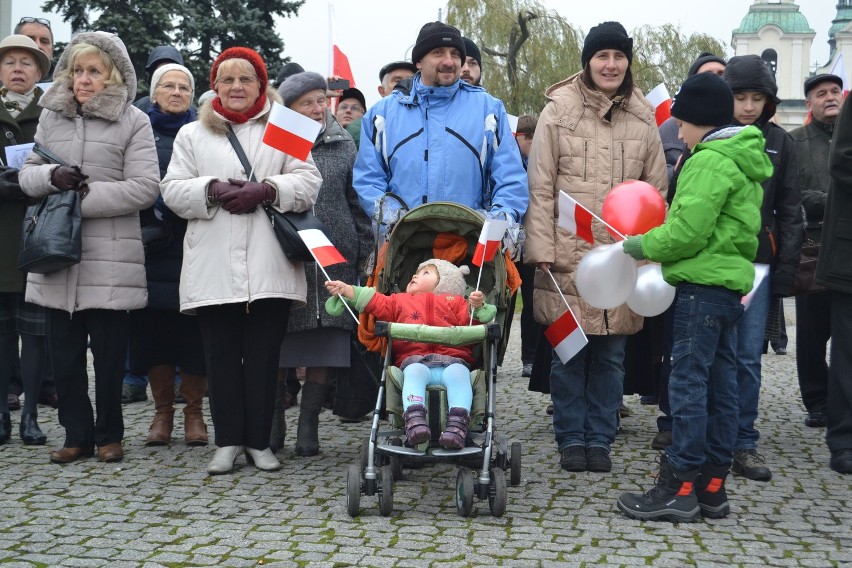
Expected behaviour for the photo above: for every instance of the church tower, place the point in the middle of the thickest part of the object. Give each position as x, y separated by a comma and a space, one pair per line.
779, 33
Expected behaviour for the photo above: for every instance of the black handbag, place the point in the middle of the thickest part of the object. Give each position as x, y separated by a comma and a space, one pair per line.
51, 237
287, 224
804, 282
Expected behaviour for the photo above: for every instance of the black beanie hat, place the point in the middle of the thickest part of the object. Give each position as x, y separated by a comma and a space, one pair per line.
751, 73
704, 100
608, 35
705, 57
472, 50
437, 34
287, 70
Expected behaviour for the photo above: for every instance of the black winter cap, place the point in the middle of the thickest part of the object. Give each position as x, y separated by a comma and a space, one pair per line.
608, 35
751, 73
393, 66
705, 57
437, 34
472, 50
812, 82
704, 100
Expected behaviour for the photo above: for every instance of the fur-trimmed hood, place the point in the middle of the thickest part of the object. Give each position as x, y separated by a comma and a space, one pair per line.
110, 103
218, 124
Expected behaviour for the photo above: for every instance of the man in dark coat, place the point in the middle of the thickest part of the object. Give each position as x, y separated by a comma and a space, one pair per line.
834, 270
823, 97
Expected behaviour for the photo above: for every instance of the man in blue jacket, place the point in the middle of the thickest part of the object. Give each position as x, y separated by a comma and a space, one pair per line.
440, 140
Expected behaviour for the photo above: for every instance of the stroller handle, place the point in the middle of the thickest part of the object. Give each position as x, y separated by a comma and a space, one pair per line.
454, 336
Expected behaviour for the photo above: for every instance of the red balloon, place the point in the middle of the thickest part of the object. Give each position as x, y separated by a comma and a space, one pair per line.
634, 207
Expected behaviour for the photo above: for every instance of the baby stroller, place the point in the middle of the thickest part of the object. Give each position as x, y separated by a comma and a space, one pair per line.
416, 238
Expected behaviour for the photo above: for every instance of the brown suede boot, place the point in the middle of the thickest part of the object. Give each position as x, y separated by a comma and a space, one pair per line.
162, 381
194, 387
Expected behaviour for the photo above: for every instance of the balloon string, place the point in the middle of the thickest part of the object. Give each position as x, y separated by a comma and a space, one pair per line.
556, 284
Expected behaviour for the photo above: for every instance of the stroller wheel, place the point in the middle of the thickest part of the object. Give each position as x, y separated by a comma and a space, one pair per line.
515, 464
386, 491
464, 492
497, 492
396, 461
353, 490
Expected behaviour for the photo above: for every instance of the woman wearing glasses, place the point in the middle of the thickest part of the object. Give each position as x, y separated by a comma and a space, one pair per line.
90, 123
21, 65
234, 275
161, 338
315, 340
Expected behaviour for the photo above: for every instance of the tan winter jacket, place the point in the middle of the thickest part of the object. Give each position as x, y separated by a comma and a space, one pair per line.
231, 258
112, 142
578, 150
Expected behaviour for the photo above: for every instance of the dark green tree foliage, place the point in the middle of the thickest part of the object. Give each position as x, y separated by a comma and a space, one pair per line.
664, 54
200, 29
525, 48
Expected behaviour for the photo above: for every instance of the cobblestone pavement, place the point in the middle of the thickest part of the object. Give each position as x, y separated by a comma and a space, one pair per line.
159, 508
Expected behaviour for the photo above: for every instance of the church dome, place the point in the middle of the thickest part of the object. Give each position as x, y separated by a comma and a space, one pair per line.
783, 14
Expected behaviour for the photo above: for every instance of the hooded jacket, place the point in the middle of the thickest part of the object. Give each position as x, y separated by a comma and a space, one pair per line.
441, 144
111, 141
710, 233
780, 235
585, 144
231, 258
159, 55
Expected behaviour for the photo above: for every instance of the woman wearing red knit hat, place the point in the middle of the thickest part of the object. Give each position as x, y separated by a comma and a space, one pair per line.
235, 276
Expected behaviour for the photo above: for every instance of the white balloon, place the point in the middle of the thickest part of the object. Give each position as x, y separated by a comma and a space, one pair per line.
652, 295
606, 276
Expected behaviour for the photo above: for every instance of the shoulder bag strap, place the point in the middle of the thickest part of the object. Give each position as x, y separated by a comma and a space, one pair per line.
232, 138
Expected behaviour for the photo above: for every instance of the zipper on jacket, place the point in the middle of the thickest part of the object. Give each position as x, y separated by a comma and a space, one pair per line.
606, 321
622, 161
585, 159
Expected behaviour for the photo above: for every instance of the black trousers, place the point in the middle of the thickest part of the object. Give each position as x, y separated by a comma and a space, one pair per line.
242, 344
531, 331
107, 333
813, 330
838, 436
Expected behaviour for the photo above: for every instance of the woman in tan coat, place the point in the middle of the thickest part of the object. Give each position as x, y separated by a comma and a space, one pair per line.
596, 131
90, 122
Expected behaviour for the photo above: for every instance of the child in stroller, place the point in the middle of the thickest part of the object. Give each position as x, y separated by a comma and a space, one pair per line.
434, 296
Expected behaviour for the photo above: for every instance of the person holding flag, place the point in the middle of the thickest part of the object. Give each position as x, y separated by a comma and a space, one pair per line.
234, 276
435, 297
316, 340
596, 131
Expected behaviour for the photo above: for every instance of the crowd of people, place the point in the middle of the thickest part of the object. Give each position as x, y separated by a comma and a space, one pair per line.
183, 287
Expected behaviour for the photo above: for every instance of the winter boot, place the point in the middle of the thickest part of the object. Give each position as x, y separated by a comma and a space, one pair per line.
163, 390
193, 388
710, 491
416, 428
671, 499
455, 433
279, 425
307, 435
5, 427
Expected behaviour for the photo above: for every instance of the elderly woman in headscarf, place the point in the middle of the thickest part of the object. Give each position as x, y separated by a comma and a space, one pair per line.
235, 276
21, 66
161, 338
90, 123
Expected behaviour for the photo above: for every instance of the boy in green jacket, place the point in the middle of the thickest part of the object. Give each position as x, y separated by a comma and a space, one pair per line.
706, 248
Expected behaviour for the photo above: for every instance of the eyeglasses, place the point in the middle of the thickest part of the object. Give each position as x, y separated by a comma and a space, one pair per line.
354, 108
242, 80
31, 20
184, 89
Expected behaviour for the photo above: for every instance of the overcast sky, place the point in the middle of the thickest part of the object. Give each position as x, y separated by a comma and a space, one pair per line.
376, 32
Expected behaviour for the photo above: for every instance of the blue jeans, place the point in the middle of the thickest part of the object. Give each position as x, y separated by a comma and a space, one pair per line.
751, 330
456, 377
585, 405
703, 380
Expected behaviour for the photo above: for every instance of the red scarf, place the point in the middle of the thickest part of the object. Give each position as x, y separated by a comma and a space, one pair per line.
240, 117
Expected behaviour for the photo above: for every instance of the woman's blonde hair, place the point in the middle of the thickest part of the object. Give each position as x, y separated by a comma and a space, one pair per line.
82, 50
235, 65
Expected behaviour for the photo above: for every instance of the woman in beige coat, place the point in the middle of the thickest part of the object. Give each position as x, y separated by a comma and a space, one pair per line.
90, 122
595, 132
235, 276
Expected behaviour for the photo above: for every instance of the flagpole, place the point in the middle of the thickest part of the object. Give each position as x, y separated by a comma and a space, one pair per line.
564, 299
327, 277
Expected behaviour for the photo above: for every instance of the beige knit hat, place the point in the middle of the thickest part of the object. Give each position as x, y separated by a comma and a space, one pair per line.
451, 279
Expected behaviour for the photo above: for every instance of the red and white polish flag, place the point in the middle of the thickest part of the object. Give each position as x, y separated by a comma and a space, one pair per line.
290, 132
575, 218
662, 102
338, 62
489, 241
324, 252
566, 336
